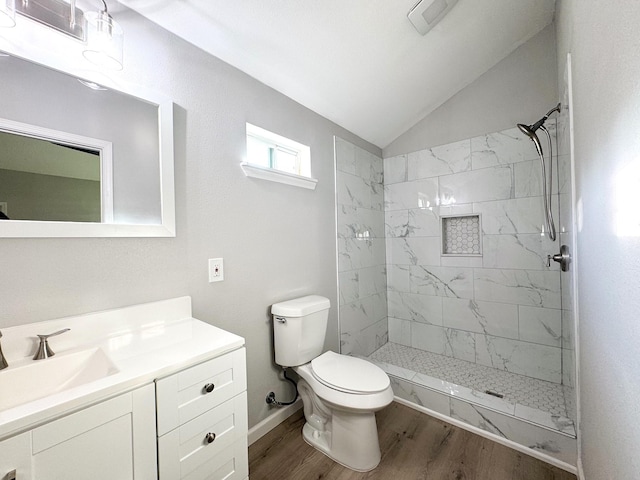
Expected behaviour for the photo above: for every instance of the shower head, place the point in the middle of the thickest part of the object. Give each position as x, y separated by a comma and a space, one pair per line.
530, 130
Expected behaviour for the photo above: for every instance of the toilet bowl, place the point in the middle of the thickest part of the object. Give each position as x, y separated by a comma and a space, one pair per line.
340, 421
340, 393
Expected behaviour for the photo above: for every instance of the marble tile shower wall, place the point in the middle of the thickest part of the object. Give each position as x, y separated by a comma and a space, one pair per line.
501, 309
362, 281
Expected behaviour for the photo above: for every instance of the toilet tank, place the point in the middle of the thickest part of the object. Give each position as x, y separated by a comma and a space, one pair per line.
299, 329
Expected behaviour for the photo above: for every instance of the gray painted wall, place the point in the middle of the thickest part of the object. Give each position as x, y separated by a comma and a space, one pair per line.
277, 241
519, 89
603, 40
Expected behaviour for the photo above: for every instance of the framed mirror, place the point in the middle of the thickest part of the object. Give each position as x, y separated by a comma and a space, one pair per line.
78, 159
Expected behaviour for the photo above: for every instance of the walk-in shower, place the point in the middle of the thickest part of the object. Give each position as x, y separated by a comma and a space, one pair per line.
444, 281
530, 131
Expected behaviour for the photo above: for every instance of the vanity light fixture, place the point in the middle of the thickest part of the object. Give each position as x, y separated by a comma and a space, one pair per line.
100, 33
103, 39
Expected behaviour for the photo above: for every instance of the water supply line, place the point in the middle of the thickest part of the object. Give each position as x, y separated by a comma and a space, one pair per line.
271, 396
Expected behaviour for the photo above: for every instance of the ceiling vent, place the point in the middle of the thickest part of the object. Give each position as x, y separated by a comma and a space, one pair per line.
427, 13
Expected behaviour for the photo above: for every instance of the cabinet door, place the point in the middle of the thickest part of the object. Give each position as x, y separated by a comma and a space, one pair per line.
15, 454
99, 442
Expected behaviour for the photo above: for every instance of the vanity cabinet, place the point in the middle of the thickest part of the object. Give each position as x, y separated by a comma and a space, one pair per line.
112, 439
15, 458
172, 403
202, 421
190, 425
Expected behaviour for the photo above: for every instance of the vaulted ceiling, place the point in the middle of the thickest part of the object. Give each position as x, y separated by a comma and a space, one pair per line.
359, 63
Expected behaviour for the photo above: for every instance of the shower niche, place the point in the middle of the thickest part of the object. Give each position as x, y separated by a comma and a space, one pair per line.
461, 235
450, 293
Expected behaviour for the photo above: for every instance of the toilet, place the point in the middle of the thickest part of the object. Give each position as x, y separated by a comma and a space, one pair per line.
340, 394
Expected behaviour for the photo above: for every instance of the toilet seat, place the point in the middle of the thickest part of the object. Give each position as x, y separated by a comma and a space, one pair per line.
344, 400
349, 374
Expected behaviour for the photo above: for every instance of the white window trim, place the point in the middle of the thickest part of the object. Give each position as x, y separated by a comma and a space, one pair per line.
274, 175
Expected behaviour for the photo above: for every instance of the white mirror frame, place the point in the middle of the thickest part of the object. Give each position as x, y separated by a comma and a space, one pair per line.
43, 46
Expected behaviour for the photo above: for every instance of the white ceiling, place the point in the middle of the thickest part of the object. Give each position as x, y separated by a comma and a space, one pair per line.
359, 63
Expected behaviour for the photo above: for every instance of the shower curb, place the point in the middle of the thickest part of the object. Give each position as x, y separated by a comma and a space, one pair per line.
553, 447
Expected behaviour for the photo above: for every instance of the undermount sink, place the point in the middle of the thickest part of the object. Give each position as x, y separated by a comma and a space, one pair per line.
36, 379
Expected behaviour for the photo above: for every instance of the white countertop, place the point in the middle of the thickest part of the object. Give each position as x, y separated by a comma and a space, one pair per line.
144, 342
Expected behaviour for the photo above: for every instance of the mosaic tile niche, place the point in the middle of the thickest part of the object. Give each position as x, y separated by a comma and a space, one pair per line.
461, 235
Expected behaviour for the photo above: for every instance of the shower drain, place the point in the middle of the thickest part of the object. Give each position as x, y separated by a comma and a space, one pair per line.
495, 394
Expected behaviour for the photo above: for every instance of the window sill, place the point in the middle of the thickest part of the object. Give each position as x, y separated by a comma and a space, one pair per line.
277, 176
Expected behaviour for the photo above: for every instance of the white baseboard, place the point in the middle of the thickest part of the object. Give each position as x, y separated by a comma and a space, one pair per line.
491, 436
260, 429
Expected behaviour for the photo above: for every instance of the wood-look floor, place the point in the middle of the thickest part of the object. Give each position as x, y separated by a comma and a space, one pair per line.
414, 446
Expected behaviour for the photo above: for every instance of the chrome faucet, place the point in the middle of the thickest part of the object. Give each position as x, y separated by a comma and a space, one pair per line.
44, 351
3, 360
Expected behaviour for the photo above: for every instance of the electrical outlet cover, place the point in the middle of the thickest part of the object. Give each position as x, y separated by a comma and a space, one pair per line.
216, 270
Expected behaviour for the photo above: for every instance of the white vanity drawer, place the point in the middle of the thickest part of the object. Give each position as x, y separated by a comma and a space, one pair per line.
211, 446
184, 396
231, 464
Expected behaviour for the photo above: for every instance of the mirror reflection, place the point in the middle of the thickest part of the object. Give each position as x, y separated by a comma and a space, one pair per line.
46, 180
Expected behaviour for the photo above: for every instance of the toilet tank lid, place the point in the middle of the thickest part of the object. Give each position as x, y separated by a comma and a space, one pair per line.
299, 307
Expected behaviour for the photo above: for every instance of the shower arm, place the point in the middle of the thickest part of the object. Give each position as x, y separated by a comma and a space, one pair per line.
554, 109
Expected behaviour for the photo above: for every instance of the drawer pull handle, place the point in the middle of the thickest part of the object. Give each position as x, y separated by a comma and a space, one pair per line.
210, 437
12, 475
208, 388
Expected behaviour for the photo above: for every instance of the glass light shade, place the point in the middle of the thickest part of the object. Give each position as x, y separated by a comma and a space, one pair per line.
104, 40
7, 13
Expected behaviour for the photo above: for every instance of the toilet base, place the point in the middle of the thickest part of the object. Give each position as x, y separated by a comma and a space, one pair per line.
340, 424
349, 437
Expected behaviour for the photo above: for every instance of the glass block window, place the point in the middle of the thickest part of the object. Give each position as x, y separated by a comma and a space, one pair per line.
461, 235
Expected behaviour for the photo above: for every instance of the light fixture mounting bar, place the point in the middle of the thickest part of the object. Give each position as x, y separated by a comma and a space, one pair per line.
56, 14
